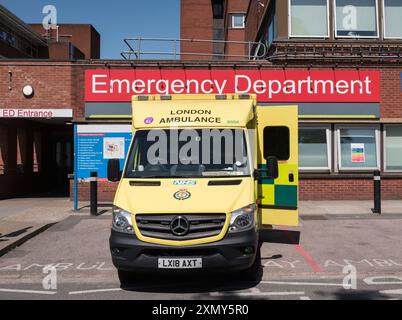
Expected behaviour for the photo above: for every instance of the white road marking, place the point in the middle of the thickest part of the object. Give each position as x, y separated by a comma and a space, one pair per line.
305, 298
95, 291
27, 291
395, 291
247, 294
305, 283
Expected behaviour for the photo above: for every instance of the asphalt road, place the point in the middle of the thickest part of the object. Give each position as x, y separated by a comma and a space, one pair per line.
337, 257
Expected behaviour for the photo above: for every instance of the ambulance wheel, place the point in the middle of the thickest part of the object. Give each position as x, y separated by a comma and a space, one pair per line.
254, 272
125, 276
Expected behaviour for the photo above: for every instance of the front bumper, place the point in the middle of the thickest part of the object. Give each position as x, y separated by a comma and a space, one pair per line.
131, 254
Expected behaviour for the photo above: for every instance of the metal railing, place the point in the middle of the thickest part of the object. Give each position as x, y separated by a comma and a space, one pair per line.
136, 50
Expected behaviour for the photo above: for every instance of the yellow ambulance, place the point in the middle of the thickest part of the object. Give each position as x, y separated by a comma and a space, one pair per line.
203, 175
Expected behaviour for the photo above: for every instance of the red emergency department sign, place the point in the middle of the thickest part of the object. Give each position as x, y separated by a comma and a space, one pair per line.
269, 85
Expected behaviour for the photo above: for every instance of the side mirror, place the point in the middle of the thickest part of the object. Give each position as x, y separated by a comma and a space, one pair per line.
113, 170
272, 167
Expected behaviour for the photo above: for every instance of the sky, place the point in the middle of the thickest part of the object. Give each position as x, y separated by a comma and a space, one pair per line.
114, 19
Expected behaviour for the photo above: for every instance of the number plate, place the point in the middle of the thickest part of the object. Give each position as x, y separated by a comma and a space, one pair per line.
179, 263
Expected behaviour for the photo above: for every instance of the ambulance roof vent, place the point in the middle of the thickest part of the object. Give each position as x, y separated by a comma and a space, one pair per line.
166, 97
221, 97
143, 98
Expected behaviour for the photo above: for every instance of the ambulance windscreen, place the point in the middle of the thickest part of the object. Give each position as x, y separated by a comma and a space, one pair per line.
188, 153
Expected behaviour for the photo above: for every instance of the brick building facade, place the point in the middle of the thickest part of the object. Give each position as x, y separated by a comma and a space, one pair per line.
27, 166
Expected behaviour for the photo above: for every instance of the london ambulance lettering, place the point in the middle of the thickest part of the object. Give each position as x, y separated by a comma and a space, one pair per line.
190, 116
269, 85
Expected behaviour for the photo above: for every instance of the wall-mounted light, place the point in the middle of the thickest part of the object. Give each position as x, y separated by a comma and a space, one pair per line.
10, 80
28, 91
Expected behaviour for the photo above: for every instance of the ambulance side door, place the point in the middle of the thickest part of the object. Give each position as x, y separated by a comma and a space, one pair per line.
277, 135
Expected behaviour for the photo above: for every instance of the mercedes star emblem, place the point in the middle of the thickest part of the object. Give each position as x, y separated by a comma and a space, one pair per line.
179, 226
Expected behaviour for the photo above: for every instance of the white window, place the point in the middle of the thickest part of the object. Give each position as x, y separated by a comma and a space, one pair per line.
356, 18
238, 20
392, 19
393, 148
358, 148
308, 18
315, 148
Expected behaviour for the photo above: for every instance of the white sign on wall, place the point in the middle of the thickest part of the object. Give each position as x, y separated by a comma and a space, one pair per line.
36, 113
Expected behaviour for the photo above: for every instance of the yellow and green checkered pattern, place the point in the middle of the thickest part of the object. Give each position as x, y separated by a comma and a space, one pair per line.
280, 192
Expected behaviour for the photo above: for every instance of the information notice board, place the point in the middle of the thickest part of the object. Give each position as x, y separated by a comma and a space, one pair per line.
96, 144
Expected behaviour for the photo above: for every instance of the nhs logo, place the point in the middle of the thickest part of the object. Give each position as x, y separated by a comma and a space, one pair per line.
184, 182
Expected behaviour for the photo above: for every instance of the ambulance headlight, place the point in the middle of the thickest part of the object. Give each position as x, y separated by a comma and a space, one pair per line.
122, 221
243, 219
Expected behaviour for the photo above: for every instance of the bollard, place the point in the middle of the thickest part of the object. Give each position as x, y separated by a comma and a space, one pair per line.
377, 192
94, 193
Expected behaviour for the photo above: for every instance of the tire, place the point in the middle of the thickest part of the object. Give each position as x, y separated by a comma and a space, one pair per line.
125, 276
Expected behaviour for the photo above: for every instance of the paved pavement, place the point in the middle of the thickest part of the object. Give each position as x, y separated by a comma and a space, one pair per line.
329, 249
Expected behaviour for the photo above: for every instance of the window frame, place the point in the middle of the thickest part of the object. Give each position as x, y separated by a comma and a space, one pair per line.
232, 16
356, 37
383, 24
384, 147
377, 136
305, 36
328, 135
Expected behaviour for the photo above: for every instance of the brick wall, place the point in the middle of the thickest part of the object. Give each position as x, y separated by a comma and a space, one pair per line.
235, 6
391, 93
196, 21
51, 82
348, 189
106, 191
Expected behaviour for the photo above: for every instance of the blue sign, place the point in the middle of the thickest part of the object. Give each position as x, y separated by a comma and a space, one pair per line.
95, 145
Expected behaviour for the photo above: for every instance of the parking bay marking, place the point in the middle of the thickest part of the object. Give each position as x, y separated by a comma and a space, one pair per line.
304, 283
95, 291
392, 291
26, 291
256, 292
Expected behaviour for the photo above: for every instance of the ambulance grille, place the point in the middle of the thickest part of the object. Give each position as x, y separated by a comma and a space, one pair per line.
159, 226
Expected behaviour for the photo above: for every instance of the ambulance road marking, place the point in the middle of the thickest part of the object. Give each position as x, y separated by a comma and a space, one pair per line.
27, 291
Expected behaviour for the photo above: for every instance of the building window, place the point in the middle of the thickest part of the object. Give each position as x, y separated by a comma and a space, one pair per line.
308, 18
392, 19
314, 148
358, 148
356, 18
238, 20
271, 30
393, 148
